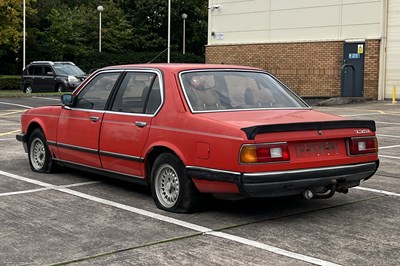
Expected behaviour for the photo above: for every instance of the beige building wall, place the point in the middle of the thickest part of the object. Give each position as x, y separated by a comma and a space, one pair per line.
251, 22
260, 21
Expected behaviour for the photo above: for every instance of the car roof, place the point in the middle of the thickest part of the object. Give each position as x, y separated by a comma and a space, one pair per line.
178, 67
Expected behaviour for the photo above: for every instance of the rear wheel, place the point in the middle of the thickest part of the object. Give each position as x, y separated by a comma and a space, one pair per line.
172, 190
60, 88
28, 88
39, 153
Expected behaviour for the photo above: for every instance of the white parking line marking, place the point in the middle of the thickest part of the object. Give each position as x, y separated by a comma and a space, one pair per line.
390, 157
272, 249
8, 139
47, 188
389, 147
19, 105
23, 192
378, 191
52, 99
177, 222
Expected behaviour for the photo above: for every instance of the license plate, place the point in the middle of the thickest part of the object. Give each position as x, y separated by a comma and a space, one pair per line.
317, 149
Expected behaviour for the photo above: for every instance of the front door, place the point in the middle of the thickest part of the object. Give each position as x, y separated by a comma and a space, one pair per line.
353, 69
79, 126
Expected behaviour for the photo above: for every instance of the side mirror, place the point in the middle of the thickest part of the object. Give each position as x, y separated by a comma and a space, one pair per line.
67, 99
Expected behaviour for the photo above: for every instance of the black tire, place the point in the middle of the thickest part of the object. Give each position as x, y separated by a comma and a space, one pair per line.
60, 88
172, 190
39, 155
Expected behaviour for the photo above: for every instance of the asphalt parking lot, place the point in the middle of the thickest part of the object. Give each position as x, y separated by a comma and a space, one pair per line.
82, 219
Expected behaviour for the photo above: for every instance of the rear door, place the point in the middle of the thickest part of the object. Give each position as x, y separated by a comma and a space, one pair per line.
125, 128
38, 78
79, 126
48, 81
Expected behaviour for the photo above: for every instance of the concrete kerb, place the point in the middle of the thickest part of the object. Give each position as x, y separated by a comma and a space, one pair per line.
342, 100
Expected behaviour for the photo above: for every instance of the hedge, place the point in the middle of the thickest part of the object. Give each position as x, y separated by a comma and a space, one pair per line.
10, 82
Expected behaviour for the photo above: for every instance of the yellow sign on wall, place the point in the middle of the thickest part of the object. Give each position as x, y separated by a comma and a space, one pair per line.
360, 49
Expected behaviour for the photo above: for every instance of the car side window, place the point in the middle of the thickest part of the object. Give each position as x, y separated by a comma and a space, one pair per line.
48, 71
135, 92
31, 70
38, 71
95, 94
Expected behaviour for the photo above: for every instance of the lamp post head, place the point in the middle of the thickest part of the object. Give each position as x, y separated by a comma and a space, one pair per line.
100, 8
184, 16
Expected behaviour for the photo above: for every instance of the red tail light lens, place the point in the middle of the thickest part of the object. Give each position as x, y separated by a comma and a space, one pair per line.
360, 146
264, 153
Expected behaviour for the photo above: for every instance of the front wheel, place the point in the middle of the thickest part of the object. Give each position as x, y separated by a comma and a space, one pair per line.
39, 153
172, 190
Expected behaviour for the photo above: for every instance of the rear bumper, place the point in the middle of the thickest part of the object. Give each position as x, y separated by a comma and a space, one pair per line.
285, 183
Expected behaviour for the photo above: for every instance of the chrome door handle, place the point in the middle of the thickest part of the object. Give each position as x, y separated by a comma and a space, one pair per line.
94, 118
140, 124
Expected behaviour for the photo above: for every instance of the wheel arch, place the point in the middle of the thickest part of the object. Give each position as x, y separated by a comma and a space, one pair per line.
26, 85
32, 126
60, 82
153, 154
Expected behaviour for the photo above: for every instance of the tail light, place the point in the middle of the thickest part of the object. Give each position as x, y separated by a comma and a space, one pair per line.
264, 153
360, 146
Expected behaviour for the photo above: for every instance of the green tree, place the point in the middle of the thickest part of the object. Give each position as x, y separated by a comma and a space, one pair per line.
74, 31
149, 20
11, 25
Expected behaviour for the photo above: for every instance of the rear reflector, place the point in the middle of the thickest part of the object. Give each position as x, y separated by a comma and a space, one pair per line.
360, 146
264, 153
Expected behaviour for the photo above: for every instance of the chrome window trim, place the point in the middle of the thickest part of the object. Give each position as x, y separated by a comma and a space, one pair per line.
161, 83
306, 107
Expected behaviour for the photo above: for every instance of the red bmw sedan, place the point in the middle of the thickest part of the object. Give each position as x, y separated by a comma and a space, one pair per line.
189, 129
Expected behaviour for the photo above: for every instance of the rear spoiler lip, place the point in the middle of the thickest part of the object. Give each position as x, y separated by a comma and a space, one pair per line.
252, 132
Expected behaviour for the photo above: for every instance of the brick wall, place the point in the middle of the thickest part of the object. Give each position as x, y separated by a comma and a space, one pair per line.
311, 69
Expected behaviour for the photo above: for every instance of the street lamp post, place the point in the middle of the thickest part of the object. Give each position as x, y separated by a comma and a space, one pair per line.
100, 9
184, 17
23, 35
169, 33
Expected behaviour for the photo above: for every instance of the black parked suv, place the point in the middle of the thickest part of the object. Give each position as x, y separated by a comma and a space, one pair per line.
51, 76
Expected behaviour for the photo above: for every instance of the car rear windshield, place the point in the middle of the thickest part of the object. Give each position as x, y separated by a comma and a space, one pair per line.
68, 69
236, 90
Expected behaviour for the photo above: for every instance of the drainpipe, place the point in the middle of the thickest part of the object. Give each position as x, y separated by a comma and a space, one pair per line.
383, 47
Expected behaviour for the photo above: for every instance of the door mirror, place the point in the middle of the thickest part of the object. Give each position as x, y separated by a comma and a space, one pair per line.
67, 99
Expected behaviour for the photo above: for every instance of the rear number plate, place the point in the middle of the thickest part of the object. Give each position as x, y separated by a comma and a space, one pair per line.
317, 149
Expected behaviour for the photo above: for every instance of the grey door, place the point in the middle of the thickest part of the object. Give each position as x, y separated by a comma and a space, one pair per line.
353, 69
